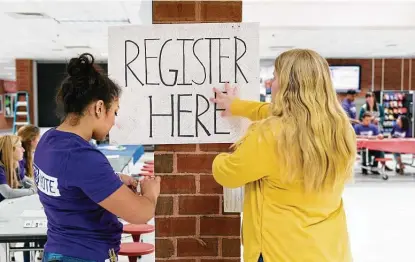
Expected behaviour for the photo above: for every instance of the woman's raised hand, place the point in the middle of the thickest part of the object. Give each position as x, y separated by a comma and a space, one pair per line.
224, 99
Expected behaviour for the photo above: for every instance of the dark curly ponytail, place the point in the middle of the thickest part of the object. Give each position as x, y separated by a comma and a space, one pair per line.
84, 85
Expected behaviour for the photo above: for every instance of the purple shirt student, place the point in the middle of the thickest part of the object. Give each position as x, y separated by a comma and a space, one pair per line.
350, 108
70, 188
366, 130
3, 178
22, 170
398, 132
81, 194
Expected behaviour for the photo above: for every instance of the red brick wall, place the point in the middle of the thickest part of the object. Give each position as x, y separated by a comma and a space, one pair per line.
190, 223
24, 82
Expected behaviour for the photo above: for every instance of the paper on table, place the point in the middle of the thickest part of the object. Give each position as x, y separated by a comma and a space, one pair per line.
33, 213
112, 156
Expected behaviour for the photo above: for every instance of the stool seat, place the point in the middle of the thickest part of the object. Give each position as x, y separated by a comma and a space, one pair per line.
383, 159
135, 249
138, 229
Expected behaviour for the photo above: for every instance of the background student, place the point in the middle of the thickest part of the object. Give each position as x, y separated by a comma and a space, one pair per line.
401, 129
368, 130
84, 196
375, 109
13, 182
349, 106
29, 135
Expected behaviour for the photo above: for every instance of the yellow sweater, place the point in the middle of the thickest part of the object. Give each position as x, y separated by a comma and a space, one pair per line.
279, 220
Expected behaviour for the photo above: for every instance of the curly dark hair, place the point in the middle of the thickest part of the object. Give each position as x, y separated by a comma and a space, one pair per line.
83, 85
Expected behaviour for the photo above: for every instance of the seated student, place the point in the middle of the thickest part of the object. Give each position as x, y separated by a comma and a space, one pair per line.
368, 130
13, 182
29, 135
401, 129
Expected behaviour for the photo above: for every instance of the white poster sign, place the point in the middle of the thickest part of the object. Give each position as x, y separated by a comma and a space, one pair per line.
167, 73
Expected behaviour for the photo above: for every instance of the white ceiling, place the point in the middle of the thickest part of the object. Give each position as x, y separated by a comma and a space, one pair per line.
353, 28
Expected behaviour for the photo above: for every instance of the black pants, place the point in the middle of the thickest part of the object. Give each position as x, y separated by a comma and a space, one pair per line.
372, 154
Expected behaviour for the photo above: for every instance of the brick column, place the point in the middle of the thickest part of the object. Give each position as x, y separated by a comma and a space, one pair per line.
190, 223
24, 81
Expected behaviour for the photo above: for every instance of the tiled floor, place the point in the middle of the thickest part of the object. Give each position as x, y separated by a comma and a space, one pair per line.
381, 221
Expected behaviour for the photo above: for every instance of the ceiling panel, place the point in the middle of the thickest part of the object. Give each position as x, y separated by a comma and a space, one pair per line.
335, 28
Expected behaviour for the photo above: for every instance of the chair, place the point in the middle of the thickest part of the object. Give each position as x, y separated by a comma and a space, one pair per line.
135, 250
137, 230
383, 161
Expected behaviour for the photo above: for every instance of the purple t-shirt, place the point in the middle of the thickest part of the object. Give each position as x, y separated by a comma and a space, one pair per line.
350, 108
72, 177
22, 168
398, 132
370, 130
3, 178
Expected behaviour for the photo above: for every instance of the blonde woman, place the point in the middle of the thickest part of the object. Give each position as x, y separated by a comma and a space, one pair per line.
29, 135
13, 182
294, 162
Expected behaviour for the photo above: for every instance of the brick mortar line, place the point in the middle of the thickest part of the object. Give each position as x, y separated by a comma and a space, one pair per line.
198, 226
174, 163
197, 184
175, 205
175, 247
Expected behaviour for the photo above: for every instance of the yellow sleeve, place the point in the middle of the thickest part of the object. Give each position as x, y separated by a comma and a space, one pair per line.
253, 159
250, 109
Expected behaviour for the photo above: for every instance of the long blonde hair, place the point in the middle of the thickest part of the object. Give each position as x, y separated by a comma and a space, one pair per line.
8, 144
27, 134
316, 143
